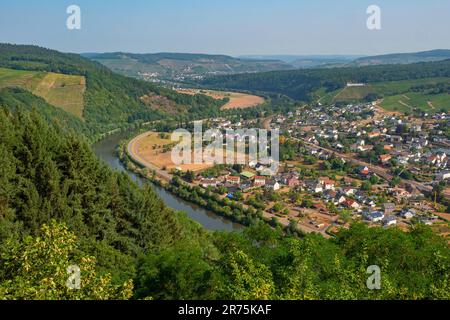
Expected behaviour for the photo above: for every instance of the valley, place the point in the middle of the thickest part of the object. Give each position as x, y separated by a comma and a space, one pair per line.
352, 177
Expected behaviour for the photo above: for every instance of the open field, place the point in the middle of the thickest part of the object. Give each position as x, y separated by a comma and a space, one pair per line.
236, 100
60, 90
155, 149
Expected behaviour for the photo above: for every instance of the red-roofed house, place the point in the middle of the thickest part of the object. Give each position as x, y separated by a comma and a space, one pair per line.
233, 179
384, 158
259, 181
350, 203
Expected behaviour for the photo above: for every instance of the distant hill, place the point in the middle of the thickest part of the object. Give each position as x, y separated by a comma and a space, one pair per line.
333, 61
182, 66
309, 61
187, 67
103, 99
403, 58
427, 80
428, 94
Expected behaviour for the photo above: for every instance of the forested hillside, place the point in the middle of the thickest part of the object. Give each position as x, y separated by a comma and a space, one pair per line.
403, 58
16, 99
60, 206
47, 174
110, 100
302, 84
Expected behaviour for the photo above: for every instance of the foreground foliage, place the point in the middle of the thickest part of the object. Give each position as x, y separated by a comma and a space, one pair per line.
36, 268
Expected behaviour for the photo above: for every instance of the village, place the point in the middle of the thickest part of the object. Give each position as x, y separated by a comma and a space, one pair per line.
340, 165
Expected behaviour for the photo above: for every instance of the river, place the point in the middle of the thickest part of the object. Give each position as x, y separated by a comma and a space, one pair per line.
105, 150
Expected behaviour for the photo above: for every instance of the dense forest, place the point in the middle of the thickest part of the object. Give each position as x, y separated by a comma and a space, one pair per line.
19, 99
301, 84
111, 100
60, 206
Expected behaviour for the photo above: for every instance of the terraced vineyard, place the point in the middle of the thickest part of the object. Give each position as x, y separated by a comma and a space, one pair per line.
396, 95
408, 102
61, 90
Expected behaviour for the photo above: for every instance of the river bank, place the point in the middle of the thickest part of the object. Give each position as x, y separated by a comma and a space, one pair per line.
106, 148
222, 206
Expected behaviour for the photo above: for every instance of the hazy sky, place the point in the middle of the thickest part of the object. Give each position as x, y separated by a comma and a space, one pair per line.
233, 27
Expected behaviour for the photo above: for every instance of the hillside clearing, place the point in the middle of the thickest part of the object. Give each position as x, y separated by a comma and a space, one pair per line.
422, 102
20, 78
397, 95
236, 100
61, 90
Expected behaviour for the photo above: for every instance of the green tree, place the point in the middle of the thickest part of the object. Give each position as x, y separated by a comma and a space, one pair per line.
36, 268
245, 278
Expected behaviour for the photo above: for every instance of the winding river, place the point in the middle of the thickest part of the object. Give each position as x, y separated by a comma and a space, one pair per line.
105, 150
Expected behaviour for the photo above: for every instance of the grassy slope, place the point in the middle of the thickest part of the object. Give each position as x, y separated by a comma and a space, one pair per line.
61, 90
397, 95
425, 102
64, 91
20, 99
20, 78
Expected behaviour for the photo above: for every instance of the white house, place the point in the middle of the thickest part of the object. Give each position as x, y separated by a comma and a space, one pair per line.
390, 221
374, 216
443, 175
273, 185
318, 188
408, 213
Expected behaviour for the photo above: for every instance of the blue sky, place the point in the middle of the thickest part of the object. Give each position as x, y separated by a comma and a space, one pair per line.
235, 27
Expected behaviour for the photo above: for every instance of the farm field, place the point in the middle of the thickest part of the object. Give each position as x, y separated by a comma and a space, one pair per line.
155, 148
60, 90
236, 100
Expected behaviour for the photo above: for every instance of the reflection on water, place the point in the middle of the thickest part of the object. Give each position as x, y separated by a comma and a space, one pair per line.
105, 150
